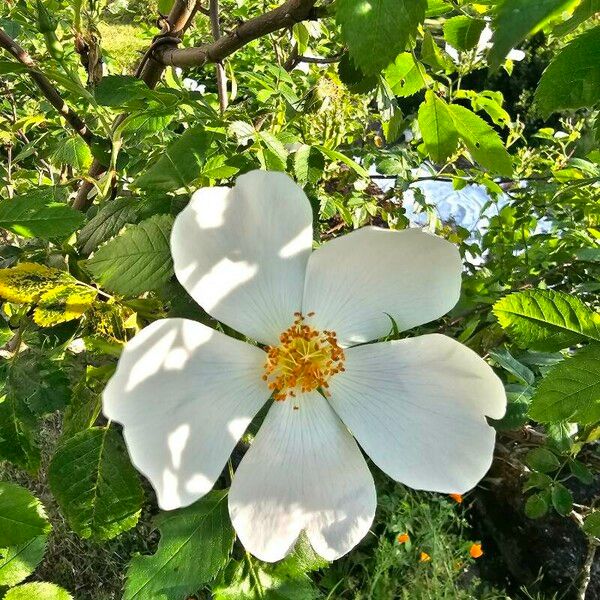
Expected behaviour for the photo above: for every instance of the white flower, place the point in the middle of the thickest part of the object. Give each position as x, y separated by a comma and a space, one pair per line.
186, 393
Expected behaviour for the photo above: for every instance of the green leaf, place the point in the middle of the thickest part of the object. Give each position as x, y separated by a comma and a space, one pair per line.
515, 19
481, 139
37, 591
463, 32
433, 56
508, 362
95, 485
19, 562
536, 506
308, 165
194, 546
117, 90
82, 412
376, 31
546, 320
517, 409
579, 470
107, 222
542, 460
73, 151
22, 516
335, 155
17, 437
270, 582
38, 382
179, 163
562, 499
585, 10
353, 78
36, 214
571, 390
537, 480
405, 75
437, 128
591, 525
572, 80
147, 122
138, 260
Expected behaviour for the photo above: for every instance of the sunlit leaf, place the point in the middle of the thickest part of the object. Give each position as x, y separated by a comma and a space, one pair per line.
95, 485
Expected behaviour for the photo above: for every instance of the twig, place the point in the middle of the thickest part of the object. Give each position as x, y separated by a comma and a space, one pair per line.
215, 27
586, 571
45, 86
150, 71
286, 15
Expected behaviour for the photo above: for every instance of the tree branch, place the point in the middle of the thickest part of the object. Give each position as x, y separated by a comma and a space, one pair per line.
221, 76
150, 71
286, 15
45, 86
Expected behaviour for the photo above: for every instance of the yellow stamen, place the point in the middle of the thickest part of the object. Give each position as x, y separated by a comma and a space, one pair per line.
304, 361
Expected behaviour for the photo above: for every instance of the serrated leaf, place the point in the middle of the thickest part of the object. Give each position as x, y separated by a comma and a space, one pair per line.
95, 485
113, 216
19, 562
542, 460
73, 151
515, 19
571, 390
437, 128
194, 546
62, 304
353, 78
536, 506
562, 499
117, 90
463, 32
82, 412
147, 122
138, 260
37, 591
482, 141
591, 525
376, 31
272, 582
572, 80
17, 434
22, 516
405, 75
546, 320
38, 382
308, 164
27, 282
180, 162
579, 470
36, 214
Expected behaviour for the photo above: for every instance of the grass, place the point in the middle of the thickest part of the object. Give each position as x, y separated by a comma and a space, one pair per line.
382, 568
123, 44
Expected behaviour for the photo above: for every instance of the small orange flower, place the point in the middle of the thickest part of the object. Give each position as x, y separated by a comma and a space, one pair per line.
403, 538
475, 550
424, 557
457, 498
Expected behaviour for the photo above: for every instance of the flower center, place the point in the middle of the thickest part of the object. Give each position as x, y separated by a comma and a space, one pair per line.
305, 360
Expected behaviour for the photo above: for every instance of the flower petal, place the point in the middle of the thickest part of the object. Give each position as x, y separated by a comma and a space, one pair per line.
354, 282
417, 408
185, 394
241, 252
303, 471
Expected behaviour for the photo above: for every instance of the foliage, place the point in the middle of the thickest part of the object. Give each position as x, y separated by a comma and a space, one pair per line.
368, 104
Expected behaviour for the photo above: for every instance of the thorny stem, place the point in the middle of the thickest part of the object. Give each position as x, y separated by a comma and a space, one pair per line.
46, 87
586, 571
